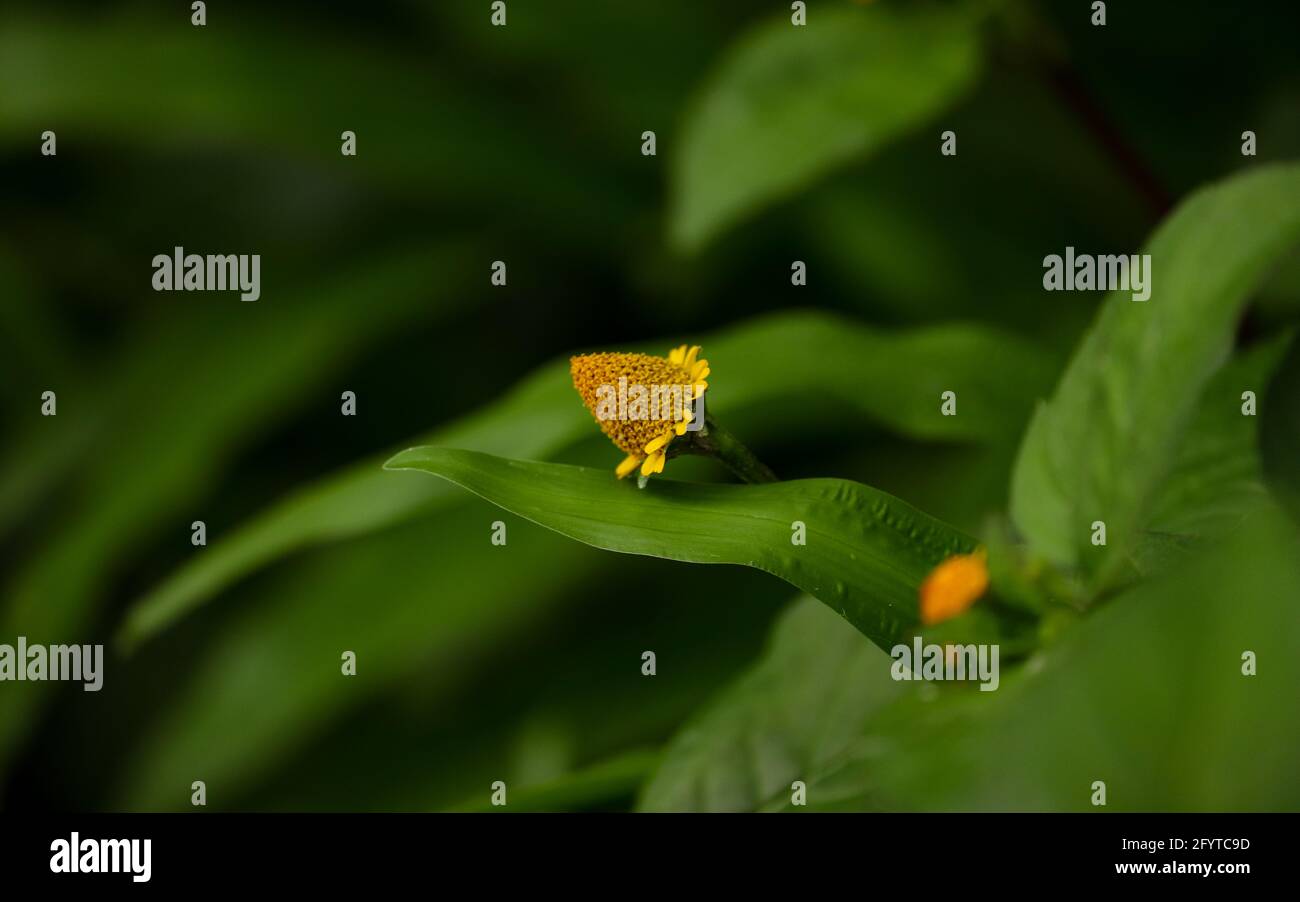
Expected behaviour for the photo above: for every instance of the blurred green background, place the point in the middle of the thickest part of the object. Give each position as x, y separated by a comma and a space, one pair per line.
523, 144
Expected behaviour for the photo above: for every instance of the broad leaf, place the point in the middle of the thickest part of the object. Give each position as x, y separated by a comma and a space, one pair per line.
1217, 477
789, 103
1099, 449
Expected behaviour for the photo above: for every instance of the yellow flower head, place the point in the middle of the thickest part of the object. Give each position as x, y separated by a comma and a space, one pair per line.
634, 398
954, 586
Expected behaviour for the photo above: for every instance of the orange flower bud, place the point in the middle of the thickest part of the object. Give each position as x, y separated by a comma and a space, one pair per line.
954, 586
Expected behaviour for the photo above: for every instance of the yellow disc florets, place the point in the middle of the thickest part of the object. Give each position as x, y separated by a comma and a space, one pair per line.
641, 402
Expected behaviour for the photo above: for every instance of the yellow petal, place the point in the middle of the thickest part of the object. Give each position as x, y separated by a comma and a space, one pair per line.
689, 362
656, 443
627, 466
648, 466
680, 427
700, 371
677, 355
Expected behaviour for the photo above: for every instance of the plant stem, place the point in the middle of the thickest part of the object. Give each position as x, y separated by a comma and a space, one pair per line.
1046, 50
716, 441
1112, 142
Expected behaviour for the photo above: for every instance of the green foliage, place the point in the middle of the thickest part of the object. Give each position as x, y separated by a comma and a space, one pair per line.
790, 103
478, 663
1217, 477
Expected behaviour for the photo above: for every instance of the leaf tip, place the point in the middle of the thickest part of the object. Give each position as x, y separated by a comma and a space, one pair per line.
405, 460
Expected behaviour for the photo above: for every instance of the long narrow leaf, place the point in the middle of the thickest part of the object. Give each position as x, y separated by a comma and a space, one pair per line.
865, 556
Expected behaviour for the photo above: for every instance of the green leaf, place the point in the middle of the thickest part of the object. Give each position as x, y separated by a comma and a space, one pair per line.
805, 701
865, 556
893, 378
790, 103
1217, 476
1100, 448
